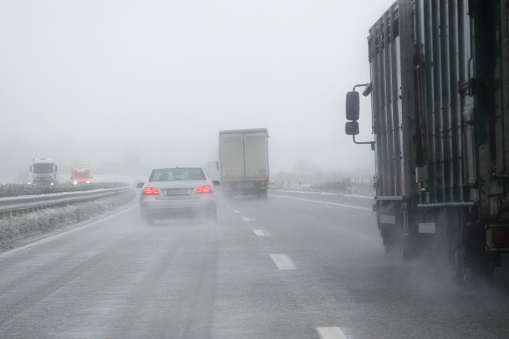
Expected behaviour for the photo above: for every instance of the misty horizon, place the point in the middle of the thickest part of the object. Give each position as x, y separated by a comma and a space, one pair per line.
91, 83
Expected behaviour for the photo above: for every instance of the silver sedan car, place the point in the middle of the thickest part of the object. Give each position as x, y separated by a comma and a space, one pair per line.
175, 191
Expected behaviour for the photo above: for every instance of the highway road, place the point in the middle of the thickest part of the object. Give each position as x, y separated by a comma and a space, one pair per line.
291, 266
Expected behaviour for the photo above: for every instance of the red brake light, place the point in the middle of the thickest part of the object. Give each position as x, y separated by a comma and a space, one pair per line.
150, 191
204, 189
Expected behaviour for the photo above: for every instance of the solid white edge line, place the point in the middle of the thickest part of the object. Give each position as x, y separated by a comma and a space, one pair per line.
330, 333
282, 262
56, 236
327, 203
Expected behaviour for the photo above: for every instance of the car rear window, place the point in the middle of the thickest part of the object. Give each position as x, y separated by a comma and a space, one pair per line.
172, 174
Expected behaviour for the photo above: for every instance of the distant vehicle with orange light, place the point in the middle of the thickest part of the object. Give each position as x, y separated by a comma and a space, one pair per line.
81, 176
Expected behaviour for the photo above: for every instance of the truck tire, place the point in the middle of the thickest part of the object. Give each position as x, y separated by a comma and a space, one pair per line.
468, 263
262, 194
460, 272
397, 238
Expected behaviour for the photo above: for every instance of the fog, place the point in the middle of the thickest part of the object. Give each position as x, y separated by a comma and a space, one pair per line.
129, 85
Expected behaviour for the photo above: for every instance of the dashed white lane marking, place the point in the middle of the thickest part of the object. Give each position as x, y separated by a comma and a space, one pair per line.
282, 262
235, 211
260, 233
246, 219
330, 333
328, 203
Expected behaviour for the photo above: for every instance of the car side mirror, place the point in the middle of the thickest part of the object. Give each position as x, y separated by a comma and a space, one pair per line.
140, 184
216, 182
352, 128
352, 106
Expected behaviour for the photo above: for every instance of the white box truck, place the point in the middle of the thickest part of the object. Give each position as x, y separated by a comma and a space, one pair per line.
244, 162
44, 171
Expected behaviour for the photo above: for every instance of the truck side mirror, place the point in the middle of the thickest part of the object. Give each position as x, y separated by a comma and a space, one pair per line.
352, 106
352, 128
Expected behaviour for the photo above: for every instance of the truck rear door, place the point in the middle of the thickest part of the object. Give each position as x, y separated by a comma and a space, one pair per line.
232, 156
257, 159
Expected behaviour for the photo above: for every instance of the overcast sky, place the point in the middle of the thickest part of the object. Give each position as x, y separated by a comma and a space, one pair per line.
93, 81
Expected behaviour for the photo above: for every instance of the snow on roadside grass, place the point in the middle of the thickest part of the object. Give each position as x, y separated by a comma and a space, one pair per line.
360, 196
12, 228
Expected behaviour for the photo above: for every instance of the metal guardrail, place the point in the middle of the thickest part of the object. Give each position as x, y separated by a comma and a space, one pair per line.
13, 206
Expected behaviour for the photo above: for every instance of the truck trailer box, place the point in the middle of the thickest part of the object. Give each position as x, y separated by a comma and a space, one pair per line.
244, 161
439, 86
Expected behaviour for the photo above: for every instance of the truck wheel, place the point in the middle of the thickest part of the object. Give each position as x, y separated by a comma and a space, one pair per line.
262, 194
398, 244
391, 238
406, 245
462, 274
462, 271
469, 267
397, 240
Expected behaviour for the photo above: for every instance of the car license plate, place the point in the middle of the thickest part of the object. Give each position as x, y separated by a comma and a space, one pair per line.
178, 191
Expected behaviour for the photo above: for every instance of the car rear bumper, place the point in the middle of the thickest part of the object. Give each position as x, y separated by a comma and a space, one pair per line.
161, 209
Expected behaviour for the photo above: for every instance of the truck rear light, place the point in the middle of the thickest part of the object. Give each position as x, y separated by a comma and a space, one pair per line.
501, 238
204, 189
150, 191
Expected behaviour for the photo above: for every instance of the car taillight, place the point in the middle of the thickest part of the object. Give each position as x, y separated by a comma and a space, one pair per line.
150, 191
204, 189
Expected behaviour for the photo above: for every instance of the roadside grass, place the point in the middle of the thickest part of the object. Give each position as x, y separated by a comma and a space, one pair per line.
16, 227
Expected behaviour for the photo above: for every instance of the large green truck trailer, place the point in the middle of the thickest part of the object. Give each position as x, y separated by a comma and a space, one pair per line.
439, 86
